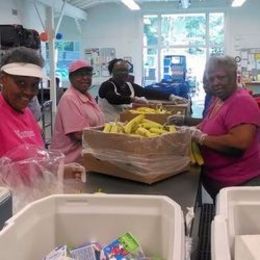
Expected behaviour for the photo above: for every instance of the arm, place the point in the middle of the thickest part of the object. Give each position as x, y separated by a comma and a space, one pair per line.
238, 139
107, 91
192, 121
150, 93
76, 136
73, 121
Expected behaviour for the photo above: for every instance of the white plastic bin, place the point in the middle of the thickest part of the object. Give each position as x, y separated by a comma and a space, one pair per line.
156, 221
5, 205
237, 213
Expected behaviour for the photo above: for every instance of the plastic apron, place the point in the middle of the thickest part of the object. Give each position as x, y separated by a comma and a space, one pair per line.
111, 111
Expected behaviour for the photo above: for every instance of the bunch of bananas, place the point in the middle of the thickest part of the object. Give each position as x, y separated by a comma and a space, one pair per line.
139, 126
148, 110
195, 154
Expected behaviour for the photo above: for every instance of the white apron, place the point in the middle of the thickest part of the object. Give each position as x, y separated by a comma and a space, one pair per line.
111, 111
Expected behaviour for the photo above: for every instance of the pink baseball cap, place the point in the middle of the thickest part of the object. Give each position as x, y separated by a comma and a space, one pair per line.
79, 64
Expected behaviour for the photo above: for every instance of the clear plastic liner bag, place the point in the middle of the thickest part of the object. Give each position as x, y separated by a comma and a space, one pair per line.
31, 173
161, 155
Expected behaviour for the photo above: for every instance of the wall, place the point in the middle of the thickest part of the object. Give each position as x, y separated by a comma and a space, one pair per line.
6, 16
69, 29
243, 27
113, 25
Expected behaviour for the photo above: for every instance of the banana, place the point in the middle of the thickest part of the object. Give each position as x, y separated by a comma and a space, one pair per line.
114, 128
107, 128
172, 128
133, 111
133, 123
144, 132
197, 154
157, 130
152, 123
192, 158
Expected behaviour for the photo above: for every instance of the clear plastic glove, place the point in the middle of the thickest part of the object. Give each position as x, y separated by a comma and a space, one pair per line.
197, 135
178, 100
74, 171
176, 119
140, 100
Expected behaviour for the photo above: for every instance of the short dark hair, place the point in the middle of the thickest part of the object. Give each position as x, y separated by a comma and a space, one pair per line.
111, 64
23, 55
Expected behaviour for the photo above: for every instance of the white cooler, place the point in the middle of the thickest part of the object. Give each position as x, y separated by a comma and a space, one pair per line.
156, 221
5, 206
237, 213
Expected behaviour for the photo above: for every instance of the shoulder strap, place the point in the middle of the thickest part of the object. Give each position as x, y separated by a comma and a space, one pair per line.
131, 89
115, 89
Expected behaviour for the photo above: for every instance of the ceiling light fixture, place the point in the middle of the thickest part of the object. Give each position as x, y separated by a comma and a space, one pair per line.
131, 4
237, 3
184, 3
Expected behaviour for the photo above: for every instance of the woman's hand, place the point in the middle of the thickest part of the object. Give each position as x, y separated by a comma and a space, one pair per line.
196, 134
178, 100
74, 171
140, 100
176, 119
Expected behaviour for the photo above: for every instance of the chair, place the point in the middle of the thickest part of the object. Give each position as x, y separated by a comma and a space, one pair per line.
47, 122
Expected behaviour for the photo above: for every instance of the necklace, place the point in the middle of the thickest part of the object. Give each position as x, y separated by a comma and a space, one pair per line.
215, 107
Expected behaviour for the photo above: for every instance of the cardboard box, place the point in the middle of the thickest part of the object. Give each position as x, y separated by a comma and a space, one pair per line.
141, 159
184, 109
92, 164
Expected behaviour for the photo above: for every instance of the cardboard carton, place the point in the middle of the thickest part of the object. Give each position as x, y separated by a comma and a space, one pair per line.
183, 109
141, 159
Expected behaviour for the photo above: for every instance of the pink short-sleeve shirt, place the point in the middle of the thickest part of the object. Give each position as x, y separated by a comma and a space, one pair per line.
238, 109
17, 128
75, 112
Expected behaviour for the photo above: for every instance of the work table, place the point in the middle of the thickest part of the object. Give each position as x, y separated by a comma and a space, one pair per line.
182, 188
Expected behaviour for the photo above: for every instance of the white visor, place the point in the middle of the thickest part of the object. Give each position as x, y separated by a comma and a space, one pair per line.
24, 69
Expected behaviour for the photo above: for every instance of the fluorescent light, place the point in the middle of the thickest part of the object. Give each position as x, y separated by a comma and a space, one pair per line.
237, 3
131, 4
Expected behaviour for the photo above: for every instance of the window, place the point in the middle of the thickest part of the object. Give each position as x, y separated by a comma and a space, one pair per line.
65, 53
216, 33
184, 29
180, 34
151, 30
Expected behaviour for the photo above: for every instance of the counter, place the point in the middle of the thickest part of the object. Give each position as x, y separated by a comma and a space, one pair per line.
254, 86
182, 188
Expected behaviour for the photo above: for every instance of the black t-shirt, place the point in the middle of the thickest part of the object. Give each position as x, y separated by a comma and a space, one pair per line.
107, 91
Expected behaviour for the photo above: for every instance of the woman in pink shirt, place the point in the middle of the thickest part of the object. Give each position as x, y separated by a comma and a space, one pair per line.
77, 110
20, 73
229, 135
